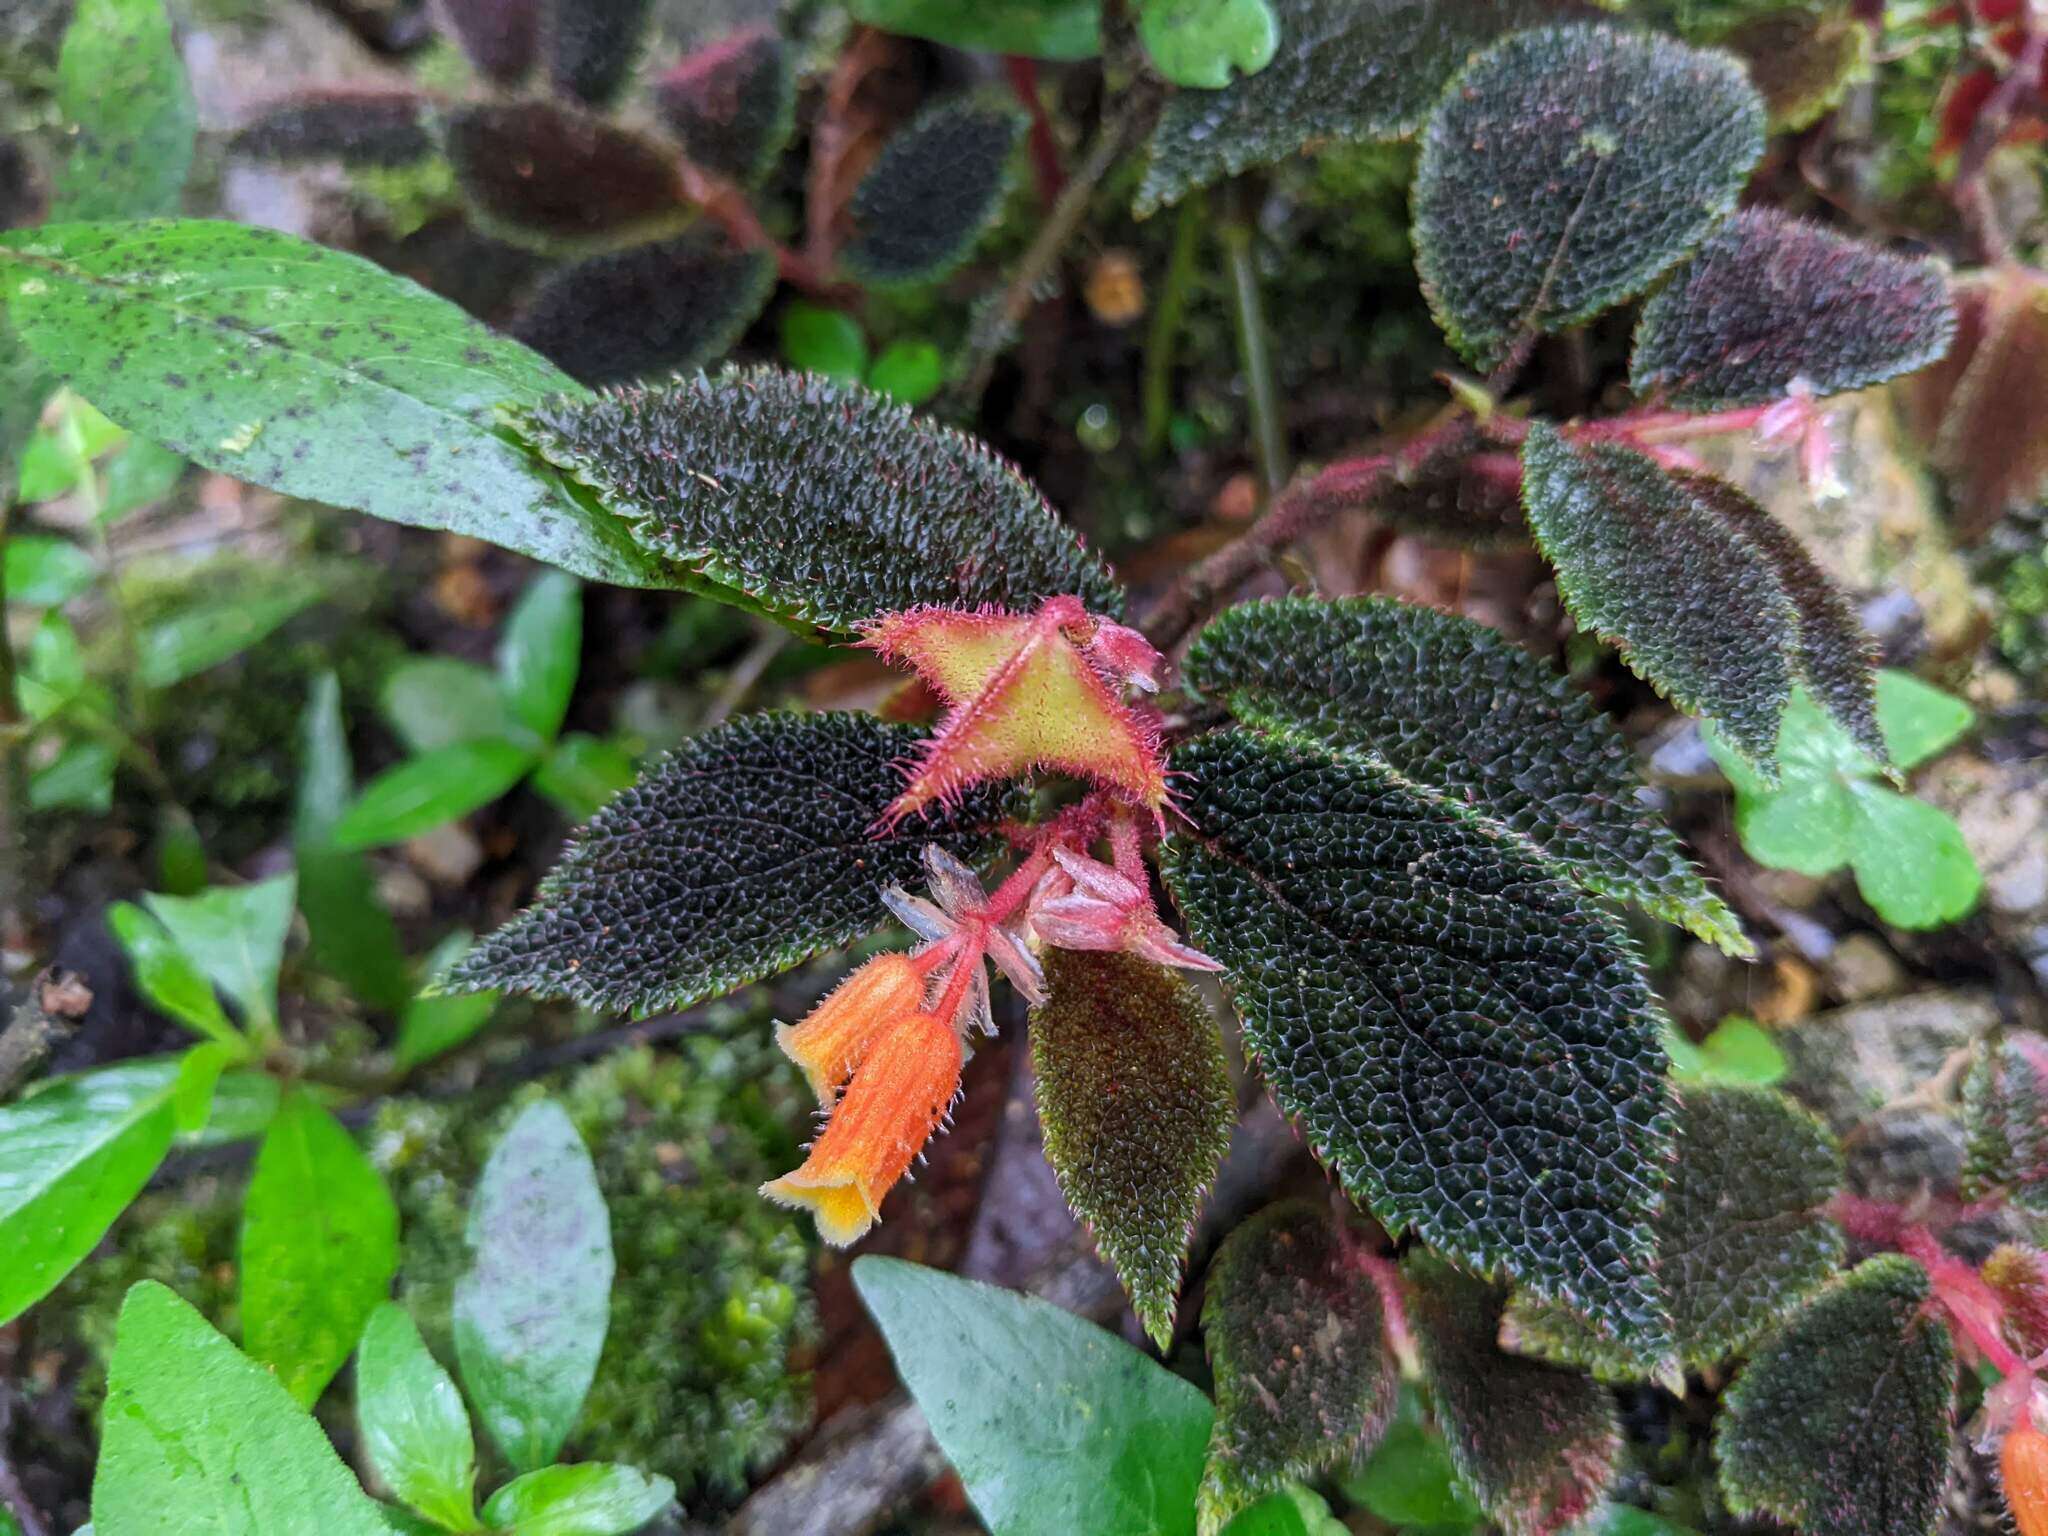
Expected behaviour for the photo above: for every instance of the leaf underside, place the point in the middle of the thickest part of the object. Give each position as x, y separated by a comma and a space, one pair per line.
542, 174
748, 850
731, 105
1469, 719
931, 192
817, 501
1467, 1041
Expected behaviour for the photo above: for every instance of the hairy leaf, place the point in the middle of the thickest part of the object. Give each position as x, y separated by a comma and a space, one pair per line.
1345, 71
592, 45
1704, 594
1565, 171
1208, 43
1769, 300
357, 126
1537, 1445
1296, 1335
415, 1430
1464, 492
2005, 1109
273, 361
732, 105
1468, 719
818, 501
121, 87
501, 37
750, 849
1801, 60
1467, 1040
543, 174
1036, 29
1839, 1424
668, 307
1742, 1239
1136, 1103
931, 192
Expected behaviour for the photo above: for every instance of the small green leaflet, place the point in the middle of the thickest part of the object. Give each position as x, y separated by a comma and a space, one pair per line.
592, 1498
1208, 43
1037, 29
166, 976
540, 651
236, 935
424, 792
932, 191
415, 1430
44, 571
121, 87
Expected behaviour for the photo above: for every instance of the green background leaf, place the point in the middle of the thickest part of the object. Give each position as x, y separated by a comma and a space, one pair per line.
589, 1499
427, 791
1038, 29
437, 701
166, 976
236, 935
44, 571
415, 1430
121, 87
1208, 43
540, 651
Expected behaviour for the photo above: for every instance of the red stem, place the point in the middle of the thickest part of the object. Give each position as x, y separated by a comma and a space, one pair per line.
1045, 149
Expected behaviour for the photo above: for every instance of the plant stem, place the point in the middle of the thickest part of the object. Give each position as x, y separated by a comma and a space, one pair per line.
1161, 342
1254, 345
1045, 149
13, 782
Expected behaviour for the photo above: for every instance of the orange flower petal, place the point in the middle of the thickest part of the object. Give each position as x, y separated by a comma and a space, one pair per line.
831, 1039
2023, 1463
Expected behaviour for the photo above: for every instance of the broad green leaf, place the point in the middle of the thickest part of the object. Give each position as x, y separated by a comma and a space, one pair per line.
80, 777
424, 792
1409, 1479
1466, 717
415, 1430
319, 1247
437, 701
581, 773
44, 571
53, 672
199, 1074
236, 935
1918, 719
1768, 300
140, 475
434, 1023
1705, 595
72, 1155
1911, 862
208, 633
244, 1104
1467, 1041
818, 501
1840, 1423
352, 937
1296, 1335
1738, 1050
546, 175
1135, 1099
2005, 1111
271, 360
121, 87
199, 1440
590, 48
1565, 170
910, 372
1208, 43
820, 340
540, 651
1293, 1511
1054, 1425
732, 104
592, 1498
935, 187
532, 1308
1537, 1445
1743, 1236
1037, 29
166, 976
749, 850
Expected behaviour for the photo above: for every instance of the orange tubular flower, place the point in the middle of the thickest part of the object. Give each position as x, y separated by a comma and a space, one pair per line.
830, 1041
2023, 1465
899, 1096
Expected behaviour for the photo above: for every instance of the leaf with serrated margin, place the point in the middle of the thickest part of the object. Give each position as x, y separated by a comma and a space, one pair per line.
2005, 1113
1296, 1335
353, 125
1537, 1444
1705, 596
1743, 1237
748, 850
1467, 1040
1840, 1423
1568, 168
542, 174
1346, 71
732, 104
1770, 300
1136, 1103
122, 89
817, 501
932, 191
275, 361
1469, 719
1035, 29
592, 45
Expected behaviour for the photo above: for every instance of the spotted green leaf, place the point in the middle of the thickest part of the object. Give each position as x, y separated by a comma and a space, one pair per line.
121, 87
932, 191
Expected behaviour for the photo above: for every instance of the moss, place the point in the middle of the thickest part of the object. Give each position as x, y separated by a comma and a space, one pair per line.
2015, 567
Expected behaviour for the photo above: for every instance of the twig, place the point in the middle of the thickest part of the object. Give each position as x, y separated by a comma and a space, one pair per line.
1045, 149
1254, 345
1162, 340
57, 1000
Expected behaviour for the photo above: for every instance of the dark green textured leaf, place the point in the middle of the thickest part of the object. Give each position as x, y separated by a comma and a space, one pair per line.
819, 501
750, 849
541, 173
931, 192
592, 45
1466, 1040
1348, 71
319, 1247
1768, 300
1055, 1426
1536, 1444
426, 791
1566, 170
1840, 1424
500, 36
592, 1498
1742, 1239
1704, 594
2005, 1108
1296, 1335
121, 87
1801, 62
1036, 29
415, 1430
1208, 43
1136, 1103
199, 1440
273, 361
732, 105
532, 1309
1469, 720
352, 937
356, 126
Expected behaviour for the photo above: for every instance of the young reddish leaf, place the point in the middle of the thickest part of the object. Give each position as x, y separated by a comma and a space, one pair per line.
592, 45
1136, 1103
1704, 595
669, 307
353, 125
1467, 1041
1468, 719
1296, 1335
1801, 60
546, 175
1840, 1423
747, 851
500, 36
1537, 1444
817, 501
1565, 171
931, 192
1769, 300
732, 105
2005, 1111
